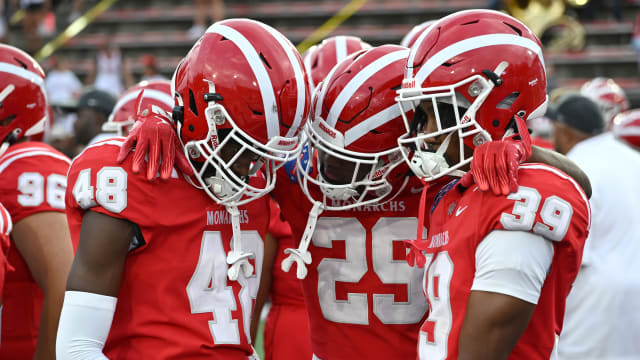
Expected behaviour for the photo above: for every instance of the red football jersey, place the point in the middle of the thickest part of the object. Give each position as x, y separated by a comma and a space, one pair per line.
363, 299
286, 288
5, 231
286, 329
548, 203
34, 179
175, 300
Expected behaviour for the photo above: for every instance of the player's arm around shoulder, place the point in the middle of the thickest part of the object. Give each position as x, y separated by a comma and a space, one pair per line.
97, 200
563, 163
550, 210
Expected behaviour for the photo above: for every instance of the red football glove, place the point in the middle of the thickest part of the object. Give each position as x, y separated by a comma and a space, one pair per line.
153, 134
495, 164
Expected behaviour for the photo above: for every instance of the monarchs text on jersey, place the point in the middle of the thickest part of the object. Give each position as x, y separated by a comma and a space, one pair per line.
175, 300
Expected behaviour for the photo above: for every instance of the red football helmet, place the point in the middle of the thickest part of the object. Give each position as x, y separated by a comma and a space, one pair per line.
321, 58
157, 93
608, 95
411, 37
23, 97
475, 70
242, 84
626, 126
354, 132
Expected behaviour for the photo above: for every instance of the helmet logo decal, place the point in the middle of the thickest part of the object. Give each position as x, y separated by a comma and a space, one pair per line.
408, 83
327, 130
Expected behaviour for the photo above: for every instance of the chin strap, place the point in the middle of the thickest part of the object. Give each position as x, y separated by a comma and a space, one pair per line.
415, 247
341, 194
301, 255
238, 259
429, 164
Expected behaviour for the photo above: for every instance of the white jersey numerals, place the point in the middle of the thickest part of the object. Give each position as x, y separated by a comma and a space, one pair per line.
209, 292
352, 268
556, 214
32, 187
111, 189
434, 335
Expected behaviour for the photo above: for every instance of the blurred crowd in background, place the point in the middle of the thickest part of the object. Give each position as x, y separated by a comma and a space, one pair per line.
110, 72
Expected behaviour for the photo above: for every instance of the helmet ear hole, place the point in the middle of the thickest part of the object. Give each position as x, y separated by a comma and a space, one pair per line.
508, 100
192, 103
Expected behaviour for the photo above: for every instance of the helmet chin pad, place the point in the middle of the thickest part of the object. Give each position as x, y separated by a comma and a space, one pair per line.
342, 194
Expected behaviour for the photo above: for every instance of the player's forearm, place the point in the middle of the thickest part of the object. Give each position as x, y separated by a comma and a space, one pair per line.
563, 163
46, 347
492, 325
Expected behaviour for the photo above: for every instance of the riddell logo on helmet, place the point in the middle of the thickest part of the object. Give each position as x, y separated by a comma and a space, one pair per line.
379, 172
328, 131
214, 141
408, 83
465, 119
286, 142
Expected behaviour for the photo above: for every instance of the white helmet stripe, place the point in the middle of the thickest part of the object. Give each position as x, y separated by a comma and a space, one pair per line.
371, 123
38, 127
260, 72
25, 74
323, 91
299, 74
148, 93
341, 48
307, 64
471, 44
360, 78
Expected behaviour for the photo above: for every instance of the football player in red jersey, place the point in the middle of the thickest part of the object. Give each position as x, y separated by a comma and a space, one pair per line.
171, 269
498, 268
362, 299
32, 186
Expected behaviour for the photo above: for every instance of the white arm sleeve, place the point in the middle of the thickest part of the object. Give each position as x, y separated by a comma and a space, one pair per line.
513, 263
85, 322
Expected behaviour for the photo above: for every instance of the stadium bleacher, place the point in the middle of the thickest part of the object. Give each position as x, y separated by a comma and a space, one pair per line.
160, 27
